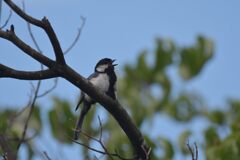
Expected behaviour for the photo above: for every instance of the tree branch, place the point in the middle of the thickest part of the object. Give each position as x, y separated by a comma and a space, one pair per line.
59, 68
8, 151
112, 106
11, 36
45, 25
105, 152
77, 37
7, 20
193, 151
29, 115
7, 72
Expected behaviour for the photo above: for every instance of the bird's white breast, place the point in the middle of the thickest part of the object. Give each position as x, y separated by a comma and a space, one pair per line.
101, 82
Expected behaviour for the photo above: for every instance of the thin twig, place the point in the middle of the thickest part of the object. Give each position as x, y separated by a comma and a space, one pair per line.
7, 20
193, 151
46, 155
100, 139
40, 51
196, 150
65, 71
30, 31
105, 152
0, 11
55, 83
100, 123
88, 147
29, 115
77, 37
45, 25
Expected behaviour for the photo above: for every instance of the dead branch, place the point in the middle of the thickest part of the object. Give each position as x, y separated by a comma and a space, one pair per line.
45, 25
7, 72
77, 36
29, 115
40, 51
7, 149
7, 20
193, 151
10, 36
99, 141
46, 155
55, 82
59, 68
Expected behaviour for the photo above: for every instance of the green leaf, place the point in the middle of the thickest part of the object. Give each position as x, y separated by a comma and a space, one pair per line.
193, 59
168, 149
164, 54
62, 119
182, 141
217, 117
212, 137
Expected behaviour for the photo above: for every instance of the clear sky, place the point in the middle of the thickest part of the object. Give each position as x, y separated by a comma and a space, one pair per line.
121, 29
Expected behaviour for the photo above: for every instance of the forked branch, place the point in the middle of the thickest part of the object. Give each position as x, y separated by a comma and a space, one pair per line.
59, 68
193, 151
45, 25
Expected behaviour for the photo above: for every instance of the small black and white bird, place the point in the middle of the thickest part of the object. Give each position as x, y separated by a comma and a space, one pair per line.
104, 79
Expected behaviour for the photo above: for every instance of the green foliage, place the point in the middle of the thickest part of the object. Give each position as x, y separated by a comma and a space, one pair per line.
61, 119
168, 149
146, 89
183, 140
194, 58
12, 126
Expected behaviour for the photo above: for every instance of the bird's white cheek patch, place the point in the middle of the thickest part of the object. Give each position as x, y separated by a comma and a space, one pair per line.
102, 68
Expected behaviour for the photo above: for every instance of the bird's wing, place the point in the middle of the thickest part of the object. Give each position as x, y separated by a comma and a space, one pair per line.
94, 75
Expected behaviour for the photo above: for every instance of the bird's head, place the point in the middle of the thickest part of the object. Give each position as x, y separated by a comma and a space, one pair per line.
105, 65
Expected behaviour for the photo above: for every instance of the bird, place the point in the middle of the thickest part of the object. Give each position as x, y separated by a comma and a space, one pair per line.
104, 79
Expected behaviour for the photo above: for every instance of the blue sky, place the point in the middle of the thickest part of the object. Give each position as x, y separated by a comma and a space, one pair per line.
121, 29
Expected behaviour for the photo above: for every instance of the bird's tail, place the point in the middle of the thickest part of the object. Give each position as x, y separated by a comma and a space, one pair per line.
83, 113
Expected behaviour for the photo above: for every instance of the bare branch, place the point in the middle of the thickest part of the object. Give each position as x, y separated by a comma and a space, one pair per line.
10, 35
102, 152
50, 89
93, 149
29, 115
26, 17
40, 51
105, 152
45, 25
100, 124
196, 150
7, 20
112, 106
31, 32
62, 70
0, 11
77, 37
193, 151
7, 72
46, 155
8, 151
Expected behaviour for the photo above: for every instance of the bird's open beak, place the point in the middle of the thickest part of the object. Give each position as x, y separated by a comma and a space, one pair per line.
113, 62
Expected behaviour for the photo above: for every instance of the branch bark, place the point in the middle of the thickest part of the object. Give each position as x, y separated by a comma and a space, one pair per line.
8, 152
45, 25
7, 72
12, 37
59, 68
